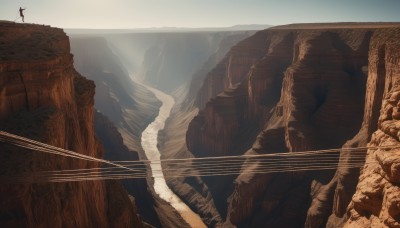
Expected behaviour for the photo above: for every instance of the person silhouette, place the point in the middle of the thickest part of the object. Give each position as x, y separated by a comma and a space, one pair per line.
21, 13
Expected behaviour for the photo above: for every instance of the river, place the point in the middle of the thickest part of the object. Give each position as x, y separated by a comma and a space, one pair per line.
149, 144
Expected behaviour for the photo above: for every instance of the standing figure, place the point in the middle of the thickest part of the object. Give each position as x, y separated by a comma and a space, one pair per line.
21, 13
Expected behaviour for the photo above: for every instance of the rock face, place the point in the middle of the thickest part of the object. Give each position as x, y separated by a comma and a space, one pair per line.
297, 88
44, 98
376, 202
173, 143
198, 77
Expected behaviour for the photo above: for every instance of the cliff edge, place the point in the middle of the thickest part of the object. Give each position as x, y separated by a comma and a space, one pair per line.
42, 97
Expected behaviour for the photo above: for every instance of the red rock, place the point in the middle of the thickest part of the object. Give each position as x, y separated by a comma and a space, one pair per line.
44, 98
318, 103
383, 164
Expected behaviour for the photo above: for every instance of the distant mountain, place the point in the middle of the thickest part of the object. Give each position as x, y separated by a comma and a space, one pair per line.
251, 27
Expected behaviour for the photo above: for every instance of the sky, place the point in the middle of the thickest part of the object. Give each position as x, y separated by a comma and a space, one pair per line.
125, 14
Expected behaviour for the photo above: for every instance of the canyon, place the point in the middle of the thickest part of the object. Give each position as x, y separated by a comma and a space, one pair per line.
285, 89
112, 60
149, 141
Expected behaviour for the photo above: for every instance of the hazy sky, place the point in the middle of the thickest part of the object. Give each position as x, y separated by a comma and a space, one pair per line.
195, 13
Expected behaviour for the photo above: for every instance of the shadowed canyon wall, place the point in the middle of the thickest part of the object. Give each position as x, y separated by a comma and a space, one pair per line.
376, 202
172, 139
44, 98
297, 88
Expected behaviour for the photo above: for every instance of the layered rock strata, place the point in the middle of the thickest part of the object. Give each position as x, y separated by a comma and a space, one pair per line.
172, 139
376, 202
44, 98
302, 87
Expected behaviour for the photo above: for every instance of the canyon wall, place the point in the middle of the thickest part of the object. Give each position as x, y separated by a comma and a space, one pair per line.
44, 98
198, 77
376, 202
296, 88
172, 141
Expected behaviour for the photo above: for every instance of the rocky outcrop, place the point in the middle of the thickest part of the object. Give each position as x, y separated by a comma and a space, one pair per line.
44, 98
376, 202
302, 87
343, 184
